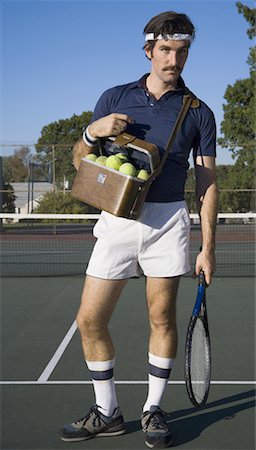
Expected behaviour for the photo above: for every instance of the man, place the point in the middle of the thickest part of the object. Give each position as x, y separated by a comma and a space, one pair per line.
157, 243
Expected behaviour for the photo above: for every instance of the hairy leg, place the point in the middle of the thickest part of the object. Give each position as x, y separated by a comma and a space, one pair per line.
99, 298
161, 299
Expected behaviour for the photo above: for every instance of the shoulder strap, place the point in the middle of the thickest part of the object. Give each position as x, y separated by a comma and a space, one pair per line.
195, 101
189, 101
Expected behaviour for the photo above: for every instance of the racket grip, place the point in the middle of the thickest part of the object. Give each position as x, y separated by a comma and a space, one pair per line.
201, 279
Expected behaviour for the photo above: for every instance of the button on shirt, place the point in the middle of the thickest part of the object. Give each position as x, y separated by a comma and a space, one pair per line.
153, 121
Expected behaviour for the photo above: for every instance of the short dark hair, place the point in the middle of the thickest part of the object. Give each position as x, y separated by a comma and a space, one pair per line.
169, 22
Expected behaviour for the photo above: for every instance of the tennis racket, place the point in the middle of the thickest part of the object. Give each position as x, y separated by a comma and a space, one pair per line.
198, 349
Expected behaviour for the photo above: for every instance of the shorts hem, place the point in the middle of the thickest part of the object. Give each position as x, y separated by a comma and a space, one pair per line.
168, 275
143, 274
108, 277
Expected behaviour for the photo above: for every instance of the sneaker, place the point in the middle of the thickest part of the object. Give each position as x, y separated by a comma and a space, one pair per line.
157, 431
94, 424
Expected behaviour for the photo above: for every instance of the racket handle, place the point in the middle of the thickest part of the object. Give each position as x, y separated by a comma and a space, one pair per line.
201, 278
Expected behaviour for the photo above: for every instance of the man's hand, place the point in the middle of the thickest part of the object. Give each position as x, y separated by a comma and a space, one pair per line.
206, 262
111, 125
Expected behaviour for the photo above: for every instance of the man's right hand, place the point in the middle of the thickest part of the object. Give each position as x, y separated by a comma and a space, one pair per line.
111, 125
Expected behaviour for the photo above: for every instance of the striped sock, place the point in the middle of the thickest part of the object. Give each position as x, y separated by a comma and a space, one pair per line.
159, 372
104, 385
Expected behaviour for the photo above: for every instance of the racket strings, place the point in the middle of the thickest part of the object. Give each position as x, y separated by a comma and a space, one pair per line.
200, 361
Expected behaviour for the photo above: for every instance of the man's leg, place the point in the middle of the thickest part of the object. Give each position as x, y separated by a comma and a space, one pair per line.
161, 299
99, 298
98, 301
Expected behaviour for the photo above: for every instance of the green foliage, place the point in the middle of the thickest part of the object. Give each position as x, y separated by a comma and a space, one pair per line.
15, 167
56, 142
60, 203
22, 166
8, 199
238, 126
249, 15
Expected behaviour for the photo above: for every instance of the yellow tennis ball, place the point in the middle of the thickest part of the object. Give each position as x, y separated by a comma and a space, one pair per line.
91, 156
143, 174
114, 162
101, 160
128, 169
122, 156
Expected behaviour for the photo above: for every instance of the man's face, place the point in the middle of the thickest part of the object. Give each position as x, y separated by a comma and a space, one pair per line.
168, 59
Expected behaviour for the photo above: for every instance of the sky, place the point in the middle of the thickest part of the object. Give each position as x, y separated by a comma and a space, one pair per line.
58, 57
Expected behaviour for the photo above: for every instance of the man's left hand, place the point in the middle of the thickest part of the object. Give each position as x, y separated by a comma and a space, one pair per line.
205, 261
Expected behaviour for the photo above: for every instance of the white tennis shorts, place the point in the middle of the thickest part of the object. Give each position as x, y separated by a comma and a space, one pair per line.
156, 245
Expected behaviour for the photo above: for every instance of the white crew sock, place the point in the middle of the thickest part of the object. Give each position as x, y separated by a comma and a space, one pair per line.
104, 385
159, 372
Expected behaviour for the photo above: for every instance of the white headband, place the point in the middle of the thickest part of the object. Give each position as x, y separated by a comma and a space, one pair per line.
171, 37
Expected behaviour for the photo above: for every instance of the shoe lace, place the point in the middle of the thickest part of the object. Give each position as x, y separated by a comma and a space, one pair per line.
156, 419
93, 410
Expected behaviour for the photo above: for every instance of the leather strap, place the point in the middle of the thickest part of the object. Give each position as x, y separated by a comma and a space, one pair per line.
188, 101
124, 139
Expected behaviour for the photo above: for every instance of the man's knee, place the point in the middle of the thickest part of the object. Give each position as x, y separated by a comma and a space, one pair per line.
162, 319
89, 324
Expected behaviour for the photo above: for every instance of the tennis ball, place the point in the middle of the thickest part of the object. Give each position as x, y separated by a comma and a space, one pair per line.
128, 169
143, 174
114, 162
101, 160
91, 156
122, 156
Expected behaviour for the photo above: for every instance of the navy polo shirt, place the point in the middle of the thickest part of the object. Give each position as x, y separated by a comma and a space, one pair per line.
153, 122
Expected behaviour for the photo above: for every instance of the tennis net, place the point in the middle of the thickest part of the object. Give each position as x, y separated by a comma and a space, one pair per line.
36, 245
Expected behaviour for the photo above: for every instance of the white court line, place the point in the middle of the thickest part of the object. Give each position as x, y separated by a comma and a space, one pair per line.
127, 382
57, 355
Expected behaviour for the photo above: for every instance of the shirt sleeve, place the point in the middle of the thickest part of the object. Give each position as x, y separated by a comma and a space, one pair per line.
205, 142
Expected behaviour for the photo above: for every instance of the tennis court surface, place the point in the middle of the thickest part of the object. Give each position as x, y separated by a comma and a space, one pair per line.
45, 383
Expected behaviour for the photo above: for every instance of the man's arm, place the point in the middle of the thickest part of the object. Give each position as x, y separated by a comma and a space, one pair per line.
111, 125
80, 150
207, 205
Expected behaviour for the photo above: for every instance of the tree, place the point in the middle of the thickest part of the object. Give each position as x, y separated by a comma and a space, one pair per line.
15, 167
60, 203
238, 126
55, 145
8, 199
249, 15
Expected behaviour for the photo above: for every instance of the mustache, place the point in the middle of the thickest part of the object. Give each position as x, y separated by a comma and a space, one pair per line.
172, 68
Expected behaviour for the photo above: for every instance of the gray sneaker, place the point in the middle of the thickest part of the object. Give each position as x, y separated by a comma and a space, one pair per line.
94, 424
157, 431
